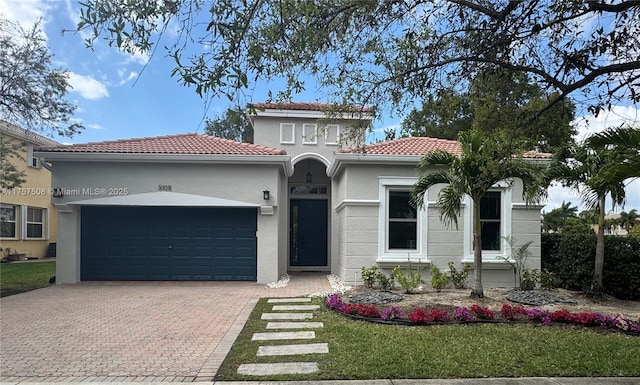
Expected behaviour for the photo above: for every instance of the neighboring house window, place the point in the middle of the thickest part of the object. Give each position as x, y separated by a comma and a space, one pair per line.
402, 229
332, 134
7, 221
35, 223
287, 133
309, 134
32, 161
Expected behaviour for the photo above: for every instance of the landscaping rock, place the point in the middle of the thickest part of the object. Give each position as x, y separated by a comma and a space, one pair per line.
376, 298
536, 297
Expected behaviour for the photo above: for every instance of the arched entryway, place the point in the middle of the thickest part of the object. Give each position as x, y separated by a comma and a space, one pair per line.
309, 195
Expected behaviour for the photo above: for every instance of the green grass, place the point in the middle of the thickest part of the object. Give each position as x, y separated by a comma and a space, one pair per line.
361, 350
20, 277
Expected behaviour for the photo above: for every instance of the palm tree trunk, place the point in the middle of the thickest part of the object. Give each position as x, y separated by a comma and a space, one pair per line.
597, 291
477, 291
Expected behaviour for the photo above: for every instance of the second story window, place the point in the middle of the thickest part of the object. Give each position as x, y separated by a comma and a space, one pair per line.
309, 133
32, 161
287, 133
332, 134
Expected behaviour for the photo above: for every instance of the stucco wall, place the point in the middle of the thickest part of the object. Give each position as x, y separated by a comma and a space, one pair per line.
358, 195
266, 132
243, 183
34, 192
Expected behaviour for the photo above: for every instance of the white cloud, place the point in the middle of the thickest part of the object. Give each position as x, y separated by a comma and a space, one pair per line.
124, 78
24, 12
88, 87
588, 125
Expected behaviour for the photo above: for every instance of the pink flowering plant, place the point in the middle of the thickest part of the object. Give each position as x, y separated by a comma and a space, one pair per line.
476, 313
392, 312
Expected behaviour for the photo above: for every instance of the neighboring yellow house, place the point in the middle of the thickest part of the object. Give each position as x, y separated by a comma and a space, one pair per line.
28, 219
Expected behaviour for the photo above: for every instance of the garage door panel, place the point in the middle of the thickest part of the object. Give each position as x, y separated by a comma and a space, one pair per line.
168, 243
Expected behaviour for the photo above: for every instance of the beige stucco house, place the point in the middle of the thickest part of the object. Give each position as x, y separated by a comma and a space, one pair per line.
196, 207
28, 221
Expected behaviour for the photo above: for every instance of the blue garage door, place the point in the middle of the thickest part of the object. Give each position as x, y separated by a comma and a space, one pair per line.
168, 244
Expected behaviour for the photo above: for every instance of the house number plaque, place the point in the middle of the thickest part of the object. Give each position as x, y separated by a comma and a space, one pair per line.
164, 187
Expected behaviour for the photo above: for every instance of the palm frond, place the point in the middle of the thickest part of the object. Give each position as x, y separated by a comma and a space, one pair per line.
450, 202
420, 188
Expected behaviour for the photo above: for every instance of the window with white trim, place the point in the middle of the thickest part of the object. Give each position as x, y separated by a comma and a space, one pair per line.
495, 223
8, 215
35, 223
287, 133
332, 134
490, 220
402, 227
309, 133
402, 221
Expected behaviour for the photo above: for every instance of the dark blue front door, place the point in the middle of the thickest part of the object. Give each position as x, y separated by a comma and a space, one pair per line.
168, 243
308, 225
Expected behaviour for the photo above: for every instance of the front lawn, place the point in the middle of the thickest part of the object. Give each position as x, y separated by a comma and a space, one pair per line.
17, 278
361, 350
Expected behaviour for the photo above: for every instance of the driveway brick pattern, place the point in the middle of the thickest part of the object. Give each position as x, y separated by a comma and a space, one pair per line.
129, 331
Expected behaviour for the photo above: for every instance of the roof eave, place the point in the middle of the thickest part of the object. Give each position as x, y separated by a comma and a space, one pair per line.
340, 160
283, 160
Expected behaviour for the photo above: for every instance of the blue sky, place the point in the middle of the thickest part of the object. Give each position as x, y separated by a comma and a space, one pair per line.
123, 96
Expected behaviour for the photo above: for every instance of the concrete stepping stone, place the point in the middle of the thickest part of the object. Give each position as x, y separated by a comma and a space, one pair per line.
278, 368
289, 350
288, 300
290, 316
294, 325
271, 336
295, 307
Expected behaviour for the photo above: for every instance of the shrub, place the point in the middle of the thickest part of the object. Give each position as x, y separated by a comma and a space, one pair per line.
459, 278
369, 276
439, 280
571, 258
386, 283
548, 280
529, 279
511, 312
462, 314
409, 278
334, 302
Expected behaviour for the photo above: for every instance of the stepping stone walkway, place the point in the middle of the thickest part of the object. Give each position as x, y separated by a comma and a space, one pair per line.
287, 314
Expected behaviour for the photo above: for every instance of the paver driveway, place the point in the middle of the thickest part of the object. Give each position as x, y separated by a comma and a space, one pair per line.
129, 331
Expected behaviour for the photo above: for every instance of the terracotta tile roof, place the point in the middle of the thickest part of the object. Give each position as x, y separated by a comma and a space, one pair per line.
26, 135
171, 144
315, 106
420, 146
407, 146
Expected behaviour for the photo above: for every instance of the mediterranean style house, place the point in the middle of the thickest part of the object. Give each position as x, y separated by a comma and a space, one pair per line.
197, 207
27, 215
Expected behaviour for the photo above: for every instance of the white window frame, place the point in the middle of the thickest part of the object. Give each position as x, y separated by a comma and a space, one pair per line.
15, 221
32, 161
490, 256
26, 223
309, 133
292, 128
328, 129
419, 254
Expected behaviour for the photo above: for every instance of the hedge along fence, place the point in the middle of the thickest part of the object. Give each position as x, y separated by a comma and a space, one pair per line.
572, 257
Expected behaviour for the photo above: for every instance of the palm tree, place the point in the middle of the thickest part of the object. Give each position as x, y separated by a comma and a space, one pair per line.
485, 161
625, 141
555, 219
628, 219
582, 170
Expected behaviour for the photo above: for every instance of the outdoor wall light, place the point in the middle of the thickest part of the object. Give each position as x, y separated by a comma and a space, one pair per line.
265, 195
